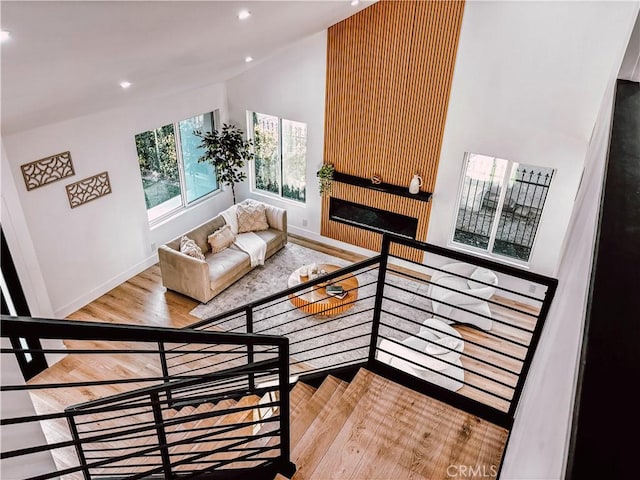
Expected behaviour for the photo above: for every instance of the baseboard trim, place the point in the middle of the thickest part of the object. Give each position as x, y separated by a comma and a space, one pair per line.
100, 290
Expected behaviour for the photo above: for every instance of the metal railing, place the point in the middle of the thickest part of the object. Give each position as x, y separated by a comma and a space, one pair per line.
385, 323
141, 431
464, 336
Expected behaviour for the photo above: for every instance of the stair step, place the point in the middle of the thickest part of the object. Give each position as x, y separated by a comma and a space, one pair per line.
394, 432
223, 439
312, 446
354, 444
304, 414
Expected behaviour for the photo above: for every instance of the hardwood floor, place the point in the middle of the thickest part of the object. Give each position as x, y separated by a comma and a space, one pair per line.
142, 300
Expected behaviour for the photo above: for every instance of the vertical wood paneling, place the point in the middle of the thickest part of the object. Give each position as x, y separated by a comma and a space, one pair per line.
389, 71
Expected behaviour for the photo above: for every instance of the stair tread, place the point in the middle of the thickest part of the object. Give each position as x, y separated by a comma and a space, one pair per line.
304, 414
311, 447
300, 392
395, 432
221, 440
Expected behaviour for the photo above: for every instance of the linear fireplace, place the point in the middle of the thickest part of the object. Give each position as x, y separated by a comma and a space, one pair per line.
373, 219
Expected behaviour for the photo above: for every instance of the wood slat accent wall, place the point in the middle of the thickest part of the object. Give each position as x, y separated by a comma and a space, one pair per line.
389, 72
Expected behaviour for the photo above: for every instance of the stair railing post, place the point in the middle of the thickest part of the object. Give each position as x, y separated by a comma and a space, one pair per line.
285, 409
78, 444
165, 368
249, 315
377, 308
162, 436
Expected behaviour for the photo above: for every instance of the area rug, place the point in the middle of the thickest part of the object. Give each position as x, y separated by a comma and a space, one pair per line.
265, 280
316, 341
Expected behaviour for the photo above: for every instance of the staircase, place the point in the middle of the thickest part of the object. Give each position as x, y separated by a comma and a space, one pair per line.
373, 428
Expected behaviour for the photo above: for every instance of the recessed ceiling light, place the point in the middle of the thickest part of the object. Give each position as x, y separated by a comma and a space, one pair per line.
4, 35
125, 84
355, 2
243, 14
248, 59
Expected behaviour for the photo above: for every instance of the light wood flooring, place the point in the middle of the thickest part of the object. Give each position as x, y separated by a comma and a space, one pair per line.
143, 301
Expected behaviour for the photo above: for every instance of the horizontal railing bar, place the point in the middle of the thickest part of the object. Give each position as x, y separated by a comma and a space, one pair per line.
466, 369
329, 333
212, 430
92, 383
354, 361
472, 342
276, 296
445, 375
467, 310
225, 321
487, 284
479, 261
434, 315
488, 300
183, 353
463, 353
232, 372
313, 314
318, 287
81, 330
325, 322
329, 354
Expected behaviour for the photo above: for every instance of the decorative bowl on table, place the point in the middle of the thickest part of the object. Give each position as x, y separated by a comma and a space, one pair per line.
322, 273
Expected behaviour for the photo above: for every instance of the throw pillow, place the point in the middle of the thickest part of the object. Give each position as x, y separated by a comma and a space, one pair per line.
191, 248
221, 239
252, 216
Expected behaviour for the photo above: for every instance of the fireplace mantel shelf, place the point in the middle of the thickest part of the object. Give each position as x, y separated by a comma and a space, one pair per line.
381, 187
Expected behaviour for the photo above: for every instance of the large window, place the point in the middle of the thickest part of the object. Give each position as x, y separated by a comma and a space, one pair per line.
281, 156
168, 157
500, 205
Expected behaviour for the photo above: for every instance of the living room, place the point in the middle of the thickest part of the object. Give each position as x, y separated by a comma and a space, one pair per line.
528, 109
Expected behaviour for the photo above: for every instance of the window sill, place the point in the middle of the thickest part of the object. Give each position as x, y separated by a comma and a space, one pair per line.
178, 212
261, 193
488, 256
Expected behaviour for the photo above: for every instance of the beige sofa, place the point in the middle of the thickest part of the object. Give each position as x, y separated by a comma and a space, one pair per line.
204, 279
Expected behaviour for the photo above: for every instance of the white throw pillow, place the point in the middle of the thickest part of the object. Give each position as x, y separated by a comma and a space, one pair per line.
252, 216
221, 239
191, 248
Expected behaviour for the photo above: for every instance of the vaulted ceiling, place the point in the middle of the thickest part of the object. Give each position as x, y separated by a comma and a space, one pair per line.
66, 58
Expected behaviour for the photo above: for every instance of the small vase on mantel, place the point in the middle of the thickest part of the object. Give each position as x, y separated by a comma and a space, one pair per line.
416, 183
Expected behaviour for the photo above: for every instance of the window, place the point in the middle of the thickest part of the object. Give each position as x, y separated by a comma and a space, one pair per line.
281, 156
168, 157
500, 205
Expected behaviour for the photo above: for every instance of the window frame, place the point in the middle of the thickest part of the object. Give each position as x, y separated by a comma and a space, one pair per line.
252, 170
488, 253
184, 204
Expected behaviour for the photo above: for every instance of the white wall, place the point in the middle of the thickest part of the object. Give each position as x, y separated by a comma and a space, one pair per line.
630, 69
538, 446
83, 253
527, 86
19, 240
290, 84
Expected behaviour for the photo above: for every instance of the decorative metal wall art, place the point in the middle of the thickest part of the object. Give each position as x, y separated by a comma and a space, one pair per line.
47, 170
88, 189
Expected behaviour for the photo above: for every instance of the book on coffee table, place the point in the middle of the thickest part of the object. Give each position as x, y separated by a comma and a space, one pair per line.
336, 291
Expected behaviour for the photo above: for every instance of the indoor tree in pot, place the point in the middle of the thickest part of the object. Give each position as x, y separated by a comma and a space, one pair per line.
227, 150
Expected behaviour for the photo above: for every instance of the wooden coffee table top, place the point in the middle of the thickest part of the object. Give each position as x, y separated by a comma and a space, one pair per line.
315, 300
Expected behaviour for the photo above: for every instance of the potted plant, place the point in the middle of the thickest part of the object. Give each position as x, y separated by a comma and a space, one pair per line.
325, 177
227, 150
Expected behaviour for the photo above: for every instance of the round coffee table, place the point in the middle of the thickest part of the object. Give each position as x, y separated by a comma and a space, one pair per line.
316, 301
